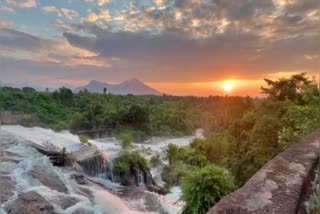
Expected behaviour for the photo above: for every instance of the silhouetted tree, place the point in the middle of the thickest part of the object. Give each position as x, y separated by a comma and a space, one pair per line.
291, 88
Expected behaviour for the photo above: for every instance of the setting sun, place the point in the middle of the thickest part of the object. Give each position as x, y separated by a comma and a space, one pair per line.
228, 86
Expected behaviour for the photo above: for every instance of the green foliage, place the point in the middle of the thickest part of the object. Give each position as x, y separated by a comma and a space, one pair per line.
84, 140
126, 163
291, 88
203, 187
155, 160
126, 139
313, 203
171, 152
145, 115
172, 174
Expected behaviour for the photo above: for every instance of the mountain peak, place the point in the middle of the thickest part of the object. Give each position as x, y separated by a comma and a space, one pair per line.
132, 86
94, 82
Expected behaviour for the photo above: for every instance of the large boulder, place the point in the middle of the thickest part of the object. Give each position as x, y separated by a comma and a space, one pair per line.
30, 202
279, 186
7, 187
49, 179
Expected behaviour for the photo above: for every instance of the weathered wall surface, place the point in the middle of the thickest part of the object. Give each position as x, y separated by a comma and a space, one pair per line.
279, 186
13, 118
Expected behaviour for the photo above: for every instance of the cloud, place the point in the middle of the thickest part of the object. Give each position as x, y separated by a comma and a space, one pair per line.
22, 3
7, 9
178, 40
99, 2
5, 24
63, 12
103, 2
24, 46
99, 16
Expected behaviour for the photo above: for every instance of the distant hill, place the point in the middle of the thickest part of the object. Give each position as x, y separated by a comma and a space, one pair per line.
133, 86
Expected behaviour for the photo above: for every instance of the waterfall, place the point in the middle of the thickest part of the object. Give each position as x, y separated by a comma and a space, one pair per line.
93, 166
109, 171
140, 178
149, 179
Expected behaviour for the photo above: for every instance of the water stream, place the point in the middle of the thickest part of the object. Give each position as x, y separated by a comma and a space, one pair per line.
103, 194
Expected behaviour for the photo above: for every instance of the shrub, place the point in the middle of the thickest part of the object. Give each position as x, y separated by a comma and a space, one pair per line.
126, 139
172, 174
125, 164
84, 140
171, 152
313, 204
155, 160
203, 187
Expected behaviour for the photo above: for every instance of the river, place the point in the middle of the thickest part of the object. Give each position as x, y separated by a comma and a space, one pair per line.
22, 165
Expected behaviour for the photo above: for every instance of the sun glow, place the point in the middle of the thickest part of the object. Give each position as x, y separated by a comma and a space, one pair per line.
228, 86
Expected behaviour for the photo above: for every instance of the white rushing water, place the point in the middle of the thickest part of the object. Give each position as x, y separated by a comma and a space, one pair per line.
104, 201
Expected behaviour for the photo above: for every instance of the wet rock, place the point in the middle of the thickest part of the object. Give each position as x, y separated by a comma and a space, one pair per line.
49, 179
7, 187
156, 189
57, 158
93, 165
30, 202
80, 178
67, 202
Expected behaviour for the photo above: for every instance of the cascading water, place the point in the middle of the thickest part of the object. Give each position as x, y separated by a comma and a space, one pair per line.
140, 177
92, 198
93, 166
110, 169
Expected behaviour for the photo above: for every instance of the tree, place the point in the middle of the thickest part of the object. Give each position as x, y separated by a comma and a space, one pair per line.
126, 139
28, 89
291, 88
203, 187
64, 95
171, 152
104, 90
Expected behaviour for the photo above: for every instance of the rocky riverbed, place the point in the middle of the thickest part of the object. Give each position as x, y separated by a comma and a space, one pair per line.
29, 183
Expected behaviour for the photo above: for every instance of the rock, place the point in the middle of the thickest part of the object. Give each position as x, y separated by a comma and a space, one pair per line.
56, 158
7, 187
279, 186
156, 189
49, 179
67, 202
30, 202
80, 178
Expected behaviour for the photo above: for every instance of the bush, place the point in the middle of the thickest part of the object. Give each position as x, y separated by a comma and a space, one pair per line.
84, 140
172, 174
125, 164
155, 160
313, 204
126, 139
172, 153
203, 187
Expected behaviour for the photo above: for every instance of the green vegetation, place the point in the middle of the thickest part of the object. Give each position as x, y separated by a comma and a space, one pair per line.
127, 163
203, 187
84, 140
242, 133
248, 142
143, 115
155, 160
313, 204
126, 139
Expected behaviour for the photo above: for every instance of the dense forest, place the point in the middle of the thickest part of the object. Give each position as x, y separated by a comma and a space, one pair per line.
242, 133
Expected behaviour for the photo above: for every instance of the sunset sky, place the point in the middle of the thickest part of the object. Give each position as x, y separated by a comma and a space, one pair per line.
176, 46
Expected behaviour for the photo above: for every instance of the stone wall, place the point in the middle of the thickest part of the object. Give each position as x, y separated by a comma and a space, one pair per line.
14, 118
278, 187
